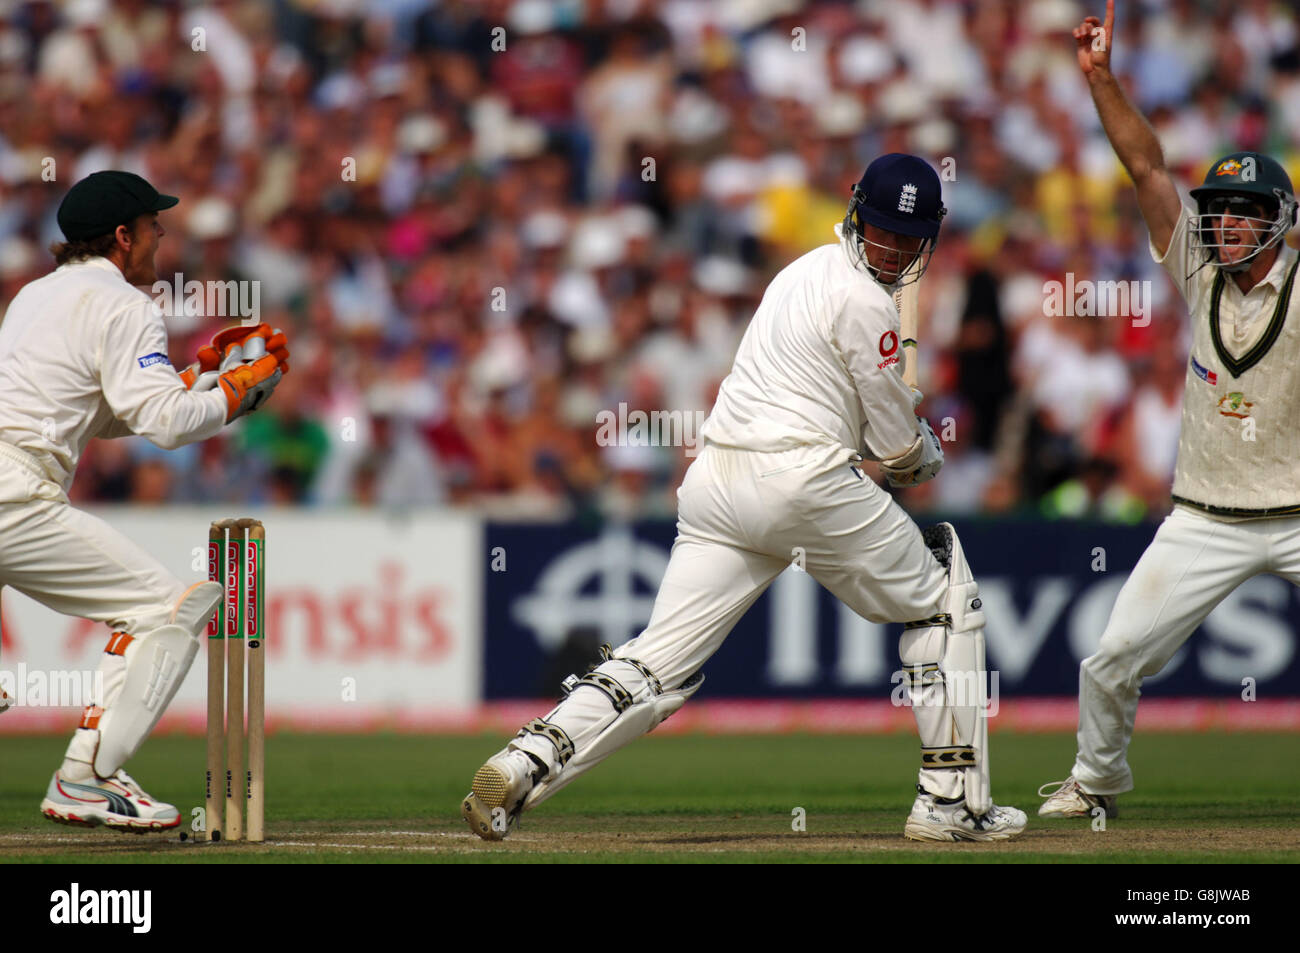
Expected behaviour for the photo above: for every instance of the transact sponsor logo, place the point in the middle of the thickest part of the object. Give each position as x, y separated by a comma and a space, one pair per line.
1204, 373
154, 358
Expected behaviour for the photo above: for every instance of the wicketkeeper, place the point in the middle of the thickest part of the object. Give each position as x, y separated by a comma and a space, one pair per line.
83, 354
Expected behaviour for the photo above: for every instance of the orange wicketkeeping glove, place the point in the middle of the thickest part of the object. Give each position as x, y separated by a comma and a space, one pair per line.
202, 374
273, 341
247, 386
275, 344
232, 346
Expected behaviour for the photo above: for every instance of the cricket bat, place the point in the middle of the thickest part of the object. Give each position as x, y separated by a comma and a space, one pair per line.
905, 299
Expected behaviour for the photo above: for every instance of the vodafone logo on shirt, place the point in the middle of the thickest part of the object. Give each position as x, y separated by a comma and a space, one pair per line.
888, 349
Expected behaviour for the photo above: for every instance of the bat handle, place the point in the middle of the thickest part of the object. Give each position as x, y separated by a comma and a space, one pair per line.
911, 372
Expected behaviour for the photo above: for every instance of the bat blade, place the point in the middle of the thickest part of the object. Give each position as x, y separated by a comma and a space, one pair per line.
905, 299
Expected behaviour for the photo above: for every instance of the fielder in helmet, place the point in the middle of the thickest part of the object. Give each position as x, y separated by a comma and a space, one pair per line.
1236, 491
1243, 211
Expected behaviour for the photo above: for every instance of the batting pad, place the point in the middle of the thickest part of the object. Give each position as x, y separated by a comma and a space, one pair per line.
616, 703
944, 671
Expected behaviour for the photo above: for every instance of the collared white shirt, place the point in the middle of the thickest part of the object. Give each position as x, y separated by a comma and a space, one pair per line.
1242, 318
83, 354
820, 363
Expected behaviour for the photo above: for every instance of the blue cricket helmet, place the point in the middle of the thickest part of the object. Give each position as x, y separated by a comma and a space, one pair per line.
899, 193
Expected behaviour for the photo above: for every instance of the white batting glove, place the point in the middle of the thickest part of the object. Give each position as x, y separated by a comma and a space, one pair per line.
930, 463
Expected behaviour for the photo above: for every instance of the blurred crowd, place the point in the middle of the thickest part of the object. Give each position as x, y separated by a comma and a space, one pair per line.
484, 223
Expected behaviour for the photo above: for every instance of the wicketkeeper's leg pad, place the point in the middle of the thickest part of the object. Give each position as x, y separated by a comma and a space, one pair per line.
141, 676
616, 702
944, 671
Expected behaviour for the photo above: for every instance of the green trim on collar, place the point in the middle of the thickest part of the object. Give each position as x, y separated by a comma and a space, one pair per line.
1238, 366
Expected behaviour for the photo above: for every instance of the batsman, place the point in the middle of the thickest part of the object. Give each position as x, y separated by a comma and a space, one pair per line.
1236, 490
83, 354
816, 388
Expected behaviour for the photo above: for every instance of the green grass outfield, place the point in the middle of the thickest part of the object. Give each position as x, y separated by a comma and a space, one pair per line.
1218, 798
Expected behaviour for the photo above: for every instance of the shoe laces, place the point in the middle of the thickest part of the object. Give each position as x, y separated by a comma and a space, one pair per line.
1062, 787
128, 782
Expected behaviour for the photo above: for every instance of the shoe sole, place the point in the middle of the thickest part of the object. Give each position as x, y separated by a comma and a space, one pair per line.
1112, 811
123, 825
72, 820
487, 794
947, 835
139, 826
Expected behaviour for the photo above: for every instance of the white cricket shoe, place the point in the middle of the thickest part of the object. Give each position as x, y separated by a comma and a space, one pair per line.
935, 818
1071, 800
497, 794
118, 803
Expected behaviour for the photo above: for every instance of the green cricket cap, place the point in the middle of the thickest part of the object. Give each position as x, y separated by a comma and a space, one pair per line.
104, 200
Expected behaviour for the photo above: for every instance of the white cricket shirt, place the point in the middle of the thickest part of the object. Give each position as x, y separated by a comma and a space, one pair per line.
83, 354
819, 364
1238, 448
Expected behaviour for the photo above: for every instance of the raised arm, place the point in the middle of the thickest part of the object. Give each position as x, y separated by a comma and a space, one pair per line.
1131, 136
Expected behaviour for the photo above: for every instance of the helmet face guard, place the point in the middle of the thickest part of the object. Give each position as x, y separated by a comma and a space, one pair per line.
1245, 207
900, 196
912, 263
1226, 222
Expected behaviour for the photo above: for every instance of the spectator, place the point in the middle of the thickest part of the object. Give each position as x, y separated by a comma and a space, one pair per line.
480, 240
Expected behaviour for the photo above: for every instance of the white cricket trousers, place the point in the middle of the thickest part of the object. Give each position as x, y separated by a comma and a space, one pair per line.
1190, 567
743, 518
78, 565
